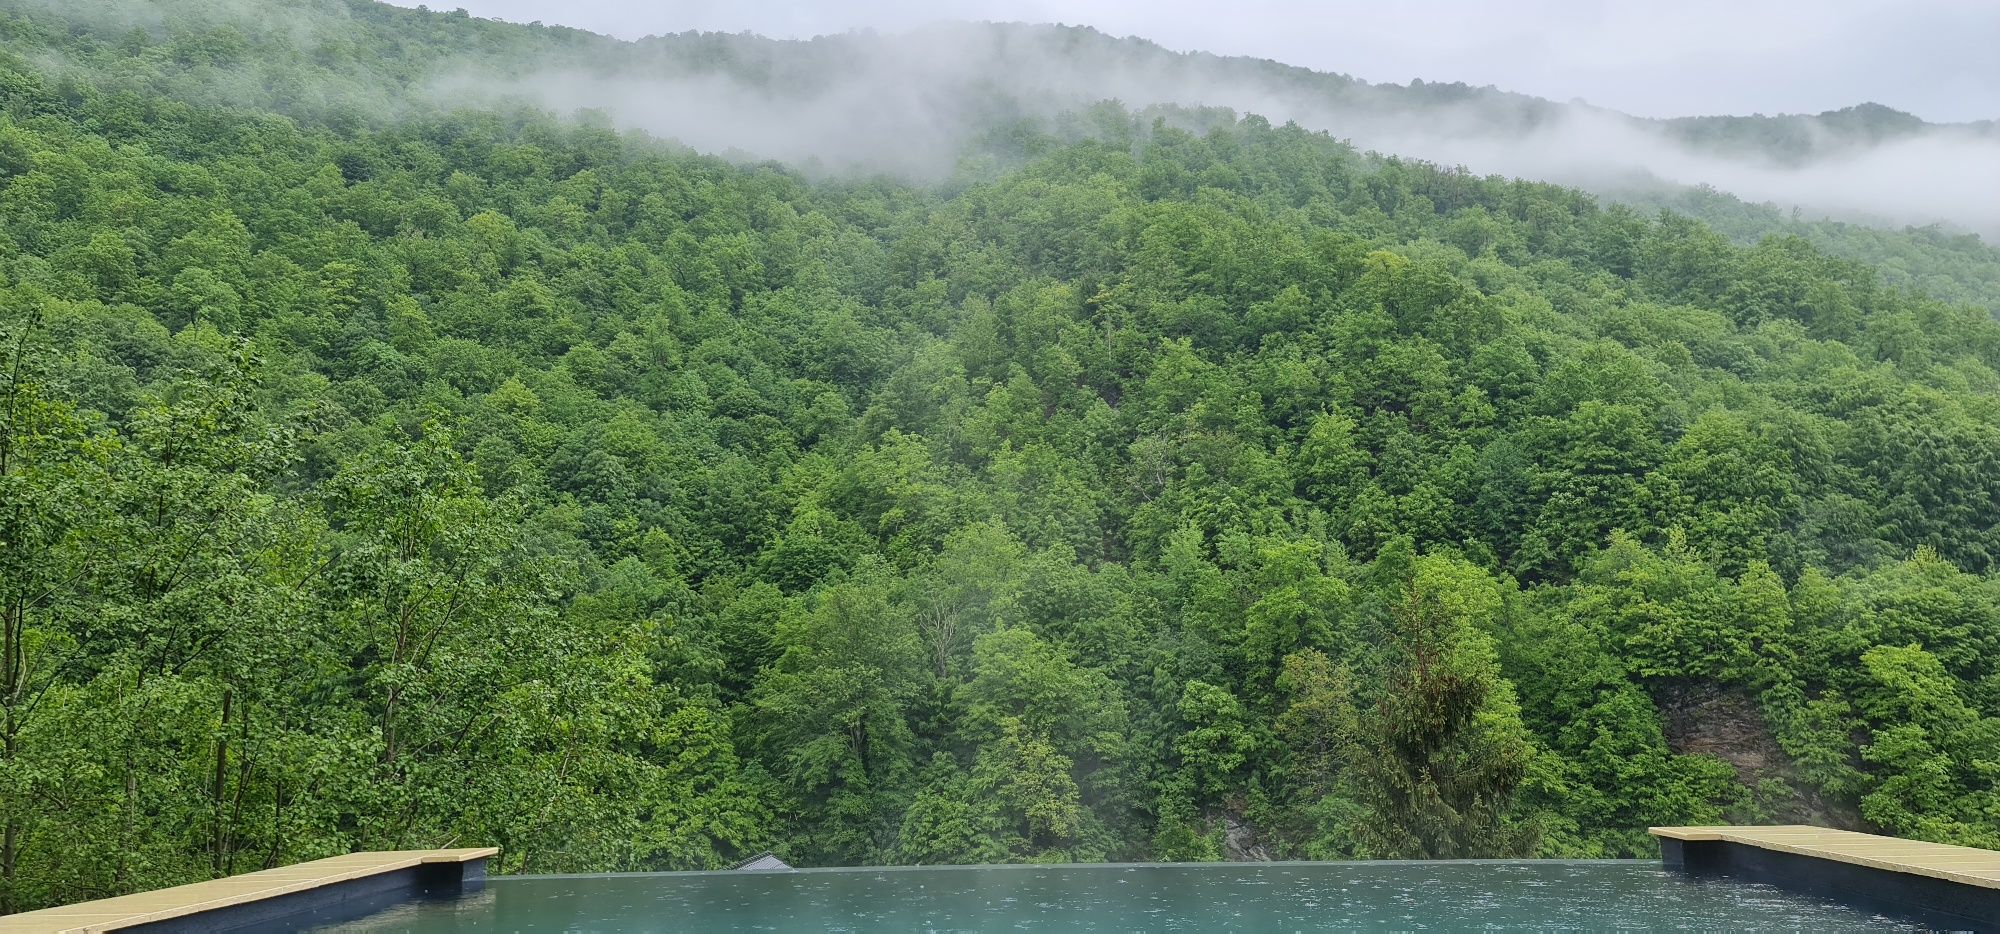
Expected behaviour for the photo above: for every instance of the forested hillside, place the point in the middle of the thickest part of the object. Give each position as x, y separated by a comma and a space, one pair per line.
1951, 265
487, 477
909, 103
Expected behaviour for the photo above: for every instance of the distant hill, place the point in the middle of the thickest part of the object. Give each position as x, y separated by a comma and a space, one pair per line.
917, 104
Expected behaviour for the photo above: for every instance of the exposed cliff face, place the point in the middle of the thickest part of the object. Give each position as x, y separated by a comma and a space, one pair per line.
1707, 719
1241, 843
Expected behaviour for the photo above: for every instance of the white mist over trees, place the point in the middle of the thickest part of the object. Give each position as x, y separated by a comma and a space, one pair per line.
909, 103
904, 103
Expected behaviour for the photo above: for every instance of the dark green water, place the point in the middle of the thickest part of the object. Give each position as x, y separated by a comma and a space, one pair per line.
1274, 897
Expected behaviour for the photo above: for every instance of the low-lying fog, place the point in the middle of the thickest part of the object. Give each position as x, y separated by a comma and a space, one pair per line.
903, 103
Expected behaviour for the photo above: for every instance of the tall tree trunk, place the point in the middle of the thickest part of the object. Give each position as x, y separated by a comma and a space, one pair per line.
243, 763
216, 830
12, 684
130, 806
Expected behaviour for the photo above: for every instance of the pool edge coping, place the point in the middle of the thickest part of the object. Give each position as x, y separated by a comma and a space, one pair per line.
182, 903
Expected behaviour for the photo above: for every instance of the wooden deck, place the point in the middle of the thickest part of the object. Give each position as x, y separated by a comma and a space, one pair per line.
126, 911
1961, 864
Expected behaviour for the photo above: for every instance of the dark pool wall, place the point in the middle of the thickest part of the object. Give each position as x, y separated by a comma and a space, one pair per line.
331, 904
1935, 902
1531, 896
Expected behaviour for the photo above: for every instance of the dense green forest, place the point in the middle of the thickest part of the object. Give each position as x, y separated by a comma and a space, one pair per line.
1954, 266
462, 477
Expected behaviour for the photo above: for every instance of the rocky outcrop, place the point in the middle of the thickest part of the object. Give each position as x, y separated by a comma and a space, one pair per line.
1707, 719
1240, 843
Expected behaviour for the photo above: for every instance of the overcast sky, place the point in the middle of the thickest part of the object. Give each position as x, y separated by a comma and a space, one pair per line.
1934, 58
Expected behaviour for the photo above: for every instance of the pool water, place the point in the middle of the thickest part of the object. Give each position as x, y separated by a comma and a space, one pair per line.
1275, 897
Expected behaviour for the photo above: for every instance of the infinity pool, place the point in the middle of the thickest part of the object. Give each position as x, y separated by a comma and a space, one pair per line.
1276, 897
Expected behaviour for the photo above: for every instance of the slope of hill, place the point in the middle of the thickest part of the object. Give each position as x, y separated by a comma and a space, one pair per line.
1955, 267
373, 479
913, 106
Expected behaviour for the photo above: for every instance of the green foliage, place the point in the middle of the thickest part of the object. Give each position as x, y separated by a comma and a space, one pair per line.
487, 477
1442, 750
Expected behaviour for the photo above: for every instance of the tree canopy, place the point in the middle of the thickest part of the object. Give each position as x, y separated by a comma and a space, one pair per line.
492, 477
